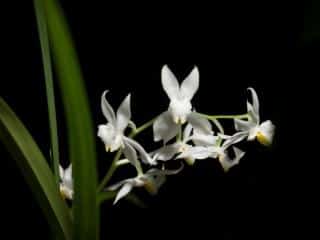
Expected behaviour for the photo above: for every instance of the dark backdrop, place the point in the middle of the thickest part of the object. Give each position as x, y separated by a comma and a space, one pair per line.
122, 47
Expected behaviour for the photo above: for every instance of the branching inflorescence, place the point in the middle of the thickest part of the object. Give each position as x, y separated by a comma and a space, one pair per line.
185, 133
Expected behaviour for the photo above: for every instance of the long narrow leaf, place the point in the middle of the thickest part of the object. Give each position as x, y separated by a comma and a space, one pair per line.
36, 171
79, 123
48, 74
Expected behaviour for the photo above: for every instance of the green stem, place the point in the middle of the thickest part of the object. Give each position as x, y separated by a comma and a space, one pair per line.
110, 172
48, 74
142, 128
214, 117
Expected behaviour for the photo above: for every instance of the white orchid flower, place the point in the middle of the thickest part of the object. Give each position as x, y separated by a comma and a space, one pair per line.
203, 134
152, 180
168, 123
199, 137
180, 96
218, 151
221, 152
263, 132
228, 162
112, 133
66, 183
167, 152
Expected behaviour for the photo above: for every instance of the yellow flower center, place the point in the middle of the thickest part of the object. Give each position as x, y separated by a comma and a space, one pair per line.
179, 120
183, 148
108, 148
63, 193
262, 139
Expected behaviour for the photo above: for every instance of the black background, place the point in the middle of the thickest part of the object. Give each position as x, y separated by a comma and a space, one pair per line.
267, 45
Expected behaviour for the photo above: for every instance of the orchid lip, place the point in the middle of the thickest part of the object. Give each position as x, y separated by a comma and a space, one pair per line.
262, 139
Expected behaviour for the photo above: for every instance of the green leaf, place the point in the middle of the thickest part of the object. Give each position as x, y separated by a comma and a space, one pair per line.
48, 74
36, 171
79, 124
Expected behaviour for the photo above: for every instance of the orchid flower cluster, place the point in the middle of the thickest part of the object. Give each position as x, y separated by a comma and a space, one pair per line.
185, 134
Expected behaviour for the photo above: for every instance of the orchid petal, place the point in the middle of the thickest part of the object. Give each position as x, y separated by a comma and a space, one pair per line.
204, 139
66, 192
166, 153
61, 172
253, 109
111, 138
124, 114
107, 110
224, 136
67, 177
253, 133
241, 125
132, 125
255, 101
267, 130
253, 117
124, 191
164, 128
238, 137
180, 109
200, 123
187, 132
105, 132
228, 163
118, 184
238, 153
169, 83
155, 171
197, 152
190, 85
131, 155
143, 154
68, 172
